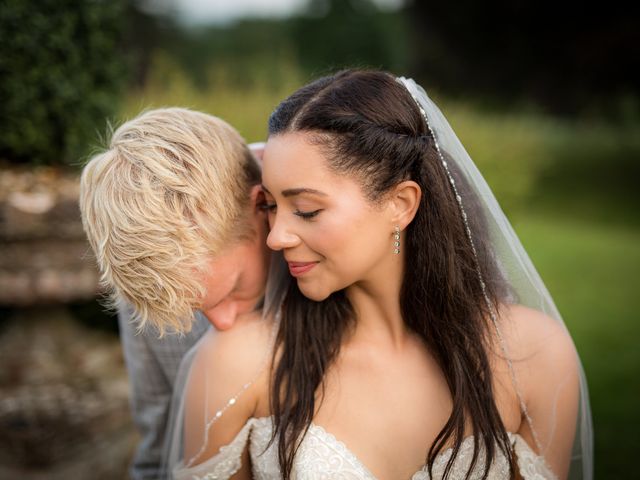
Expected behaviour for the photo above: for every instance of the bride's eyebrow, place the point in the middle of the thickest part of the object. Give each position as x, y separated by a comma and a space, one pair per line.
290, 192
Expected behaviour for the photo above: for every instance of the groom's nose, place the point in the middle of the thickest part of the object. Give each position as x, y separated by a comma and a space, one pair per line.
223, 315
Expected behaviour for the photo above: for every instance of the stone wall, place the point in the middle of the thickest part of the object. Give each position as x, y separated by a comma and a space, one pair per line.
63, 386
44, 256
63, 400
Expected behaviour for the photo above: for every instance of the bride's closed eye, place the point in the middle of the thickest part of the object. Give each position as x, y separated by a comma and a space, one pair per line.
307, 215
272, 207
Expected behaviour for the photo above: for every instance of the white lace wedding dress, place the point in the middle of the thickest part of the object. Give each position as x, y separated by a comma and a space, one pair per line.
322, 456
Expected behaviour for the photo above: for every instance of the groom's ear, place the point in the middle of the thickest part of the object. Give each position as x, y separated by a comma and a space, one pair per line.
257, 199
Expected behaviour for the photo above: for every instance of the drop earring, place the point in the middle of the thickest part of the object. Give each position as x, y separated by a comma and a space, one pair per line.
396, 240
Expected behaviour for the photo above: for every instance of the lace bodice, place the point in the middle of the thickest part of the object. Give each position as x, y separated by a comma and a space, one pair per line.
322, 456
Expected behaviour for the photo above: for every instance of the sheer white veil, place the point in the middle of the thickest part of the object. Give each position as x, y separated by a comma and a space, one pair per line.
524, 282
524, 285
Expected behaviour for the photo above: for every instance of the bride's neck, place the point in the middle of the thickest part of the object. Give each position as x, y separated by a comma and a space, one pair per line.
376, 302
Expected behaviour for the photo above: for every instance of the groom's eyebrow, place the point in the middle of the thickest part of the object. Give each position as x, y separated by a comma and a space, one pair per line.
290, 192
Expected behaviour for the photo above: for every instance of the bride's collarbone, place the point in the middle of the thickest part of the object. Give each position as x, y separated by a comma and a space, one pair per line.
386, 418
389, 414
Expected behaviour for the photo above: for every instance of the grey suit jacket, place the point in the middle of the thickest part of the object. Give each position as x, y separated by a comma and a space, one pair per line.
152, 365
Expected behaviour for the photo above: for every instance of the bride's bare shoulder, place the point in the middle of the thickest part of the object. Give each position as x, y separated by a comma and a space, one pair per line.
240, 349
226, 383
538, 345
527, 331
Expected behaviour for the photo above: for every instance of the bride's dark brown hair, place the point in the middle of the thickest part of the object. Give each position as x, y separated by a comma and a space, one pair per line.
370, 128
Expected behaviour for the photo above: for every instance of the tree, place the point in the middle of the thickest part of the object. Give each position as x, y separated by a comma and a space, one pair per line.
565, 56
61, 71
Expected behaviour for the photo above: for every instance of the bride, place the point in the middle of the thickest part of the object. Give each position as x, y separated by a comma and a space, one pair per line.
410, 338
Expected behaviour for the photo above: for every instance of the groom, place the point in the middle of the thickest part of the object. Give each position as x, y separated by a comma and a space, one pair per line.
173, 212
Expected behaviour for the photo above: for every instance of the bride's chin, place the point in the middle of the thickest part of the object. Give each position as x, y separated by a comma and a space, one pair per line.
316, 294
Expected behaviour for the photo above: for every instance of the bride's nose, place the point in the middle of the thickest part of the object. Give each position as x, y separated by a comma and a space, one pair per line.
280, 236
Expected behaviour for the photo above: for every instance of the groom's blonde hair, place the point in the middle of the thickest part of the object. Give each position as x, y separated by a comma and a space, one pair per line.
171, 190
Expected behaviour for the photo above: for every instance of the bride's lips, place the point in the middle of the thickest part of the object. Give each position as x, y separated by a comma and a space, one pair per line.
298, 268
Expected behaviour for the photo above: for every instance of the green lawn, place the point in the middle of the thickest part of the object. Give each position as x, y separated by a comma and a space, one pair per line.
592, 273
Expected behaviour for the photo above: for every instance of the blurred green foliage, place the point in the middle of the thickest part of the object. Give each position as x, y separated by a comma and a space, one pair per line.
61, 72
351, 33
563, 167
580, 168
333, 34
64, 63
245, 103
